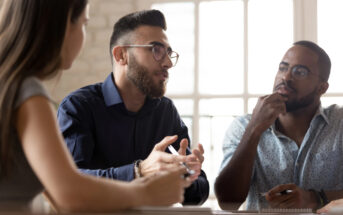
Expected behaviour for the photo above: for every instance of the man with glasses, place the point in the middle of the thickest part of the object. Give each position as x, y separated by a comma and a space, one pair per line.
288, 152
121, 128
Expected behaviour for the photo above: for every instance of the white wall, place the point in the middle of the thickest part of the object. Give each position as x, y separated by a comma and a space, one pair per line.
94, 64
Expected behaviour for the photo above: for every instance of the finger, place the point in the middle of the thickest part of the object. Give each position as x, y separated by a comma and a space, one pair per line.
277, 197
183, 146
278, 96
263, 97
193, 177
279, 108
270, 98
281, 97
194, 165
198, 155
285, 201
324, 209
161, 146
201, 148
170, 158
187, 182
331, 205
179, 170
279, 105
169, 166
195, 168
289, 203
277, 189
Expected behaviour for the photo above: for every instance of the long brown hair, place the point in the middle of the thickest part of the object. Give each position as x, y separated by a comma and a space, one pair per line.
31, 36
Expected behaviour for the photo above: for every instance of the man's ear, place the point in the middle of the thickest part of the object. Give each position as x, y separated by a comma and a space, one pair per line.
119, 55
323, 87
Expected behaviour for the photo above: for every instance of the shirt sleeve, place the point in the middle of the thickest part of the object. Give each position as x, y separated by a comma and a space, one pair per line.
232, 138
75, 121
123, 173
199, 190
30, 87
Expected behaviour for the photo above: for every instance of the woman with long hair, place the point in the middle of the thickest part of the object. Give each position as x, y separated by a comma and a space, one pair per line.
38, 39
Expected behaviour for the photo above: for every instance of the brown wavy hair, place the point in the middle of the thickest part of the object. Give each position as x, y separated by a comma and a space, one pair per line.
31, 37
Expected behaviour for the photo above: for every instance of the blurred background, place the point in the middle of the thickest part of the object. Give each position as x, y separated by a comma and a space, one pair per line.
229, 54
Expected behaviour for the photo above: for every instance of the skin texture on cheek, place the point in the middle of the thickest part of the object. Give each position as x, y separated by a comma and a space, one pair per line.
143, 80
295, 100
74, 39
296, 104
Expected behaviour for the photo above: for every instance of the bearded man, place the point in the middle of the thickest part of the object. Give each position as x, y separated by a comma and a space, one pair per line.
113, 129
288, 153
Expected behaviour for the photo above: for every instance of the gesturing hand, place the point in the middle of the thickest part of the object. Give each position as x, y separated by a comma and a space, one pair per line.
295, 198
194, 161
159, 160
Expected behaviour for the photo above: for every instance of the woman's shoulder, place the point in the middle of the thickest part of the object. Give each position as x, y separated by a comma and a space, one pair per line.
30, 87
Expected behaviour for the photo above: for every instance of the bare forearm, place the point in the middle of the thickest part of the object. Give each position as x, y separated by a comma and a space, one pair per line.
232, 184
91, 194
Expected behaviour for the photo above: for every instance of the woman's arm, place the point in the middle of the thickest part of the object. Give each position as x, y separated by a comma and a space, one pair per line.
49, 158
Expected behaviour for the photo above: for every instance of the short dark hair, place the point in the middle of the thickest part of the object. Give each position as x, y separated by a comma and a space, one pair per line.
130, 22
324, 62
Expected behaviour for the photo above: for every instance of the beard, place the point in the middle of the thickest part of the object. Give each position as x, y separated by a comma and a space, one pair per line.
143, 80
292, 106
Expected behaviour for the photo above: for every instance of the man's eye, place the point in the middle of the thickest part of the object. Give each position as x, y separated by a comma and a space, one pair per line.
158, 49
300, 72
283, 69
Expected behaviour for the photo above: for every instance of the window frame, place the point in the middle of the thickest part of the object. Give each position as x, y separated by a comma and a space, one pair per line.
304, 28
196, 96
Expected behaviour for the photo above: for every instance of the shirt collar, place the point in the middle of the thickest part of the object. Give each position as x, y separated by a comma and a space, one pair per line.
110, 92
319, 113
112, 96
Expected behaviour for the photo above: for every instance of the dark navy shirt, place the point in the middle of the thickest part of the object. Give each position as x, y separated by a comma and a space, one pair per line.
105, 138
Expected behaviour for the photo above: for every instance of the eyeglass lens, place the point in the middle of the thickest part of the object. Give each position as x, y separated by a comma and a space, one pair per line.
160, 52
299, 72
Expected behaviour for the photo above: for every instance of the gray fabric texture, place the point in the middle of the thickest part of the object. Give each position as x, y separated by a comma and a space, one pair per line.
18, 189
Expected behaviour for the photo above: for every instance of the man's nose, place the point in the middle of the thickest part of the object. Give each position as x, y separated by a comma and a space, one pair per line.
167, 62
287, 75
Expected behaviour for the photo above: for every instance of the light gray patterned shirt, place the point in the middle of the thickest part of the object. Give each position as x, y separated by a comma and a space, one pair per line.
317, 164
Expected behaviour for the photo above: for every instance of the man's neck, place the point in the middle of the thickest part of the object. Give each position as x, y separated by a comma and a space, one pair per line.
295, 124
132, 97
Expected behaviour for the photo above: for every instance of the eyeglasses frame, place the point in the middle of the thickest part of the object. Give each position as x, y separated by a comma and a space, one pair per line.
152, 46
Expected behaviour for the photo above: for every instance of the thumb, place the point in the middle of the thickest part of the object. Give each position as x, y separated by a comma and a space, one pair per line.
162, 146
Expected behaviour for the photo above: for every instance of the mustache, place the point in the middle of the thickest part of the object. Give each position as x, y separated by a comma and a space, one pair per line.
164, 72
285, 84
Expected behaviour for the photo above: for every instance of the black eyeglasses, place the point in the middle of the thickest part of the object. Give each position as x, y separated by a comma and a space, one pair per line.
159, 52
298, 72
